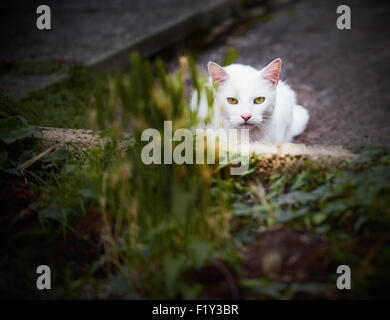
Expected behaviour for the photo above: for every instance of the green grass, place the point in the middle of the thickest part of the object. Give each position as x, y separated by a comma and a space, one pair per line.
164, 224
64, 105
34, 67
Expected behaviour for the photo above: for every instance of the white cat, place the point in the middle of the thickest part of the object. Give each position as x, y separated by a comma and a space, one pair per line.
246, 98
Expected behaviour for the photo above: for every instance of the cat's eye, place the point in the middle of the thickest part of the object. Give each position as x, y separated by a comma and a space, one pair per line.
232, 100
259, 100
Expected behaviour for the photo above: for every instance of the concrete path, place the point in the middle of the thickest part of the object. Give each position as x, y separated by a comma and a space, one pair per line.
342, 77
95, 33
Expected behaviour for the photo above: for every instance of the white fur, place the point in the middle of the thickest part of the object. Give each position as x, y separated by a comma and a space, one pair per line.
277, 120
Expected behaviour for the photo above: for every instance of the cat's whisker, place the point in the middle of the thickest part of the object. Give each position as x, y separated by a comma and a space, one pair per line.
265, 122
264, 125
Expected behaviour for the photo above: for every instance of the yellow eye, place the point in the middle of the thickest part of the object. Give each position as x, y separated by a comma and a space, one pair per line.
259, 100
232, 100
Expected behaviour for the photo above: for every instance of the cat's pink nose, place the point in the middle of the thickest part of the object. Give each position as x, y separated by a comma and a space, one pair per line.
246, 116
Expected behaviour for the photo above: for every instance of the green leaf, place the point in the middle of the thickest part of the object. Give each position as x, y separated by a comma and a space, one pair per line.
359, 223
322, 229
264, 287
200, 251
241, 209
287, 216
172, 266
300, 180
119, 284
15, 128
313, 288
336, 207
230, 57
182, 199
369, 155
190, 292
57, 155
12, 172
319, 217
247, 172
53, 213
296, 197
86, 193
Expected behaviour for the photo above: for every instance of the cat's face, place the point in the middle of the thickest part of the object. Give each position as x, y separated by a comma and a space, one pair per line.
246, 96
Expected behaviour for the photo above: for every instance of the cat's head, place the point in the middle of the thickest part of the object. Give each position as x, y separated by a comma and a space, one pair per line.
245, 95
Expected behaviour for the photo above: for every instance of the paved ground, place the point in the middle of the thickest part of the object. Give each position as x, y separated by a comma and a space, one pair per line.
342, 77
96, 33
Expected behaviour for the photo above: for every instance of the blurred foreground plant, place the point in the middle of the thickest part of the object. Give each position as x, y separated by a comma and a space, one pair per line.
161, 219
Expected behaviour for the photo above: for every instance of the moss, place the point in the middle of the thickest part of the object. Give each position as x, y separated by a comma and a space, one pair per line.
21, 68
64, 104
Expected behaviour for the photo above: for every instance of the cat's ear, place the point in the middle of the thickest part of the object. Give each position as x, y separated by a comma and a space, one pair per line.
271, 72
217, 73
